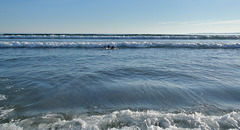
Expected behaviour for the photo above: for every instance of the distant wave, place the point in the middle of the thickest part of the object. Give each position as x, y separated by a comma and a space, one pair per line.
119, 44
116, 36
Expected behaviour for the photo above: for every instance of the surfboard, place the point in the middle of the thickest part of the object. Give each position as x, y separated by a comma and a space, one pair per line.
111, 48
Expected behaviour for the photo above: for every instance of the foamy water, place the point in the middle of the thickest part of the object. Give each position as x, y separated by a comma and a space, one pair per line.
73, 43
2, 97
127, 119
122, 36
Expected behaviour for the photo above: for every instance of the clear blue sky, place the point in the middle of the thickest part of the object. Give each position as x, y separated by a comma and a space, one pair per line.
119, 16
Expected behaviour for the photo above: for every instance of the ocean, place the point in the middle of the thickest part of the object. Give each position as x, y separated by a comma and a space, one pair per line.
149, 81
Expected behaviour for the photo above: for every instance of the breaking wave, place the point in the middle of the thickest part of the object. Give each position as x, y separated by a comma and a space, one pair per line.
119, 44
2, 97
127, 119
117, 36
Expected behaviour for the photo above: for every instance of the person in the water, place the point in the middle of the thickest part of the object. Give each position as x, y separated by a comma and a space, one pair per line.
109, 47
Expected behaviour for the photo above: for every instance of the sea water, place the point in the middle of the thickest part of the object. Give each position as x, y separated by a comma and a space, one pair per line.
70, 81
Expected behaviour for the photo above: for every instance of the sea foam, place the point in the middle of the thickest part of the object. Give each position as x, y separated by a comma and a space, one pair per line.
2, 97
117, 36
121, 44
127, 119
4, 112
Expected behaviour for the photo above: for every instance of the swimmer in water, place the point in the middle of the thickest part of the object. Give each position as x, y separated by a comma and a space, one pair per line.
108, 47
112, 47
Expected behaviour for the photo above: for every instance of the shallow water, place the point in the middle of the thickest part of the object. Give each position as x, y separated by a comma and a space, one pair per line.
126, 88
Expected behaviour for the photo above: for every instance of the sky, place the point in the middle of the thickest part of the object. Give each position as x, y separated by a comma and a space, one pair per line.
120, 16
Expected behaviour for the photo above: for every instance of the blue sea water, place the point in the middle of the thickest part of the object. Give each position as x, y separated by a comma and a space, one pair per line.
71, 81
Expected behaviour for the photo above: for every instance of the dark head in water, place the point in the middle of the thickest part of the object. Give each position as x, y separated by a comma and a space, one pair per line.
112, 47
108, 47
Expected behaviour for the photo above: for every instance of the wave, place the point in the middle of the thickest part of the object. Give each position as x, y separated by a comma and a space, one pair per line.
124, 44
116, 36
127, 119
2, 97
4, 112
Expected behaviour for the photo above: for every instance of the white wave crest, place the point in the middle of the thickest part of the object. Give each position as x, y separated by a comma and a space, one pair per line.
2, 97
116, 36
4, 112
120, 44
127, 119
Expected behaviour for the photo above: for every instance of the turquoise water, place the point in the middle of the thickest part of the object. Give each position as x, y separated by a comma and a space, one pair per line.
127, 88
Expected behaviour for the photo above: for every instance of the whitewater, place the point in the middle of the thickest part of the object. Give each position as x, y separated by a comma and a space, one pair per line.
123, 41
151, 81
